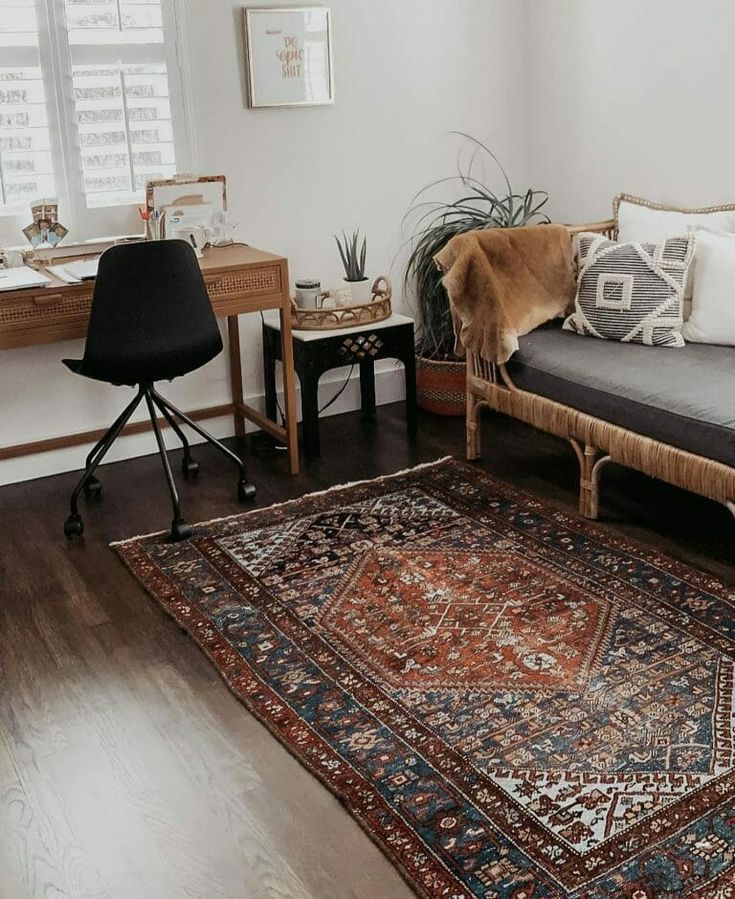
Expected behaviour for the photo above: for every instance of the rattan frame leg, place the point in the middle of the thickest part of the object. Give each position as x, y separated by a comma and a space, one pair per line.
699, 474
591, 462
474, 439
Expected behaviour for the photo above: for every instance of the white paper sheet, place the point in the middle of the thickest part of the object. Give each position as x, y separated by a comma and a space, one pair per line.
21, 277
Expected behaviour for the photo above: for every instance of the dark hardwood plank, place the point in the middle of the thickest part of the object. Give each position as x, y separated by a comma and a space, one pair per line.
127, 769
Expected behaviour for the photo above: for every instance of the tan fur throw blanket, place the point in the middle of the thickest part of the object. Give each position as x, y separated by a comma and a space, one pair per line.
505, 282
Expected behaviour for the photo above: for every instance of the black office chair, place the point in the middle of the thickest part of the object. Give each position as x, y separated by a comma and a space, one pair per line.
151, 320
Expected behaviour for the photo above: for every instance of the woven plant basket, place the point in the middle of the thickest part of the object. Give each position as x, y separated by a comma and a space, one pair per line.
441, 387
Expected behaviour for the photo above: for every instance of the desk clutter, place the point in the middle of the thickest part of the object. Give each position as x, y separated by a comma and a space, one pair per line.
45, 229
77, 271
187, 207
21, 278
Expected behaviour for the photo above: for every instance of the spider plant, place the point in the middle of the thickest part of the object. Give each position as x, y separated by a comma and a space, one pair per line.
436, 222
353, 255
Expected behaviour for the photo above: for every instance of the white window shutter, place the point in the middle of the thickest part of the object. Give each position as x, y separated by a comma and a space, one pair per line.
121, 97
26, 160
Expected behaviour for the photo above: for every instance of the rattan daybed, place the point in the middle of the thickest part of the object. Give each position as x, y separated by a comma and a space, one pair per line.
674, 443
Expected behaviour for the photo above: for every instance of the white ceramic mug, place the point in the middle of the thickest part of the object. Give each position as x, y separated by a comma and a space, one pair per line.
11, 258
309, 293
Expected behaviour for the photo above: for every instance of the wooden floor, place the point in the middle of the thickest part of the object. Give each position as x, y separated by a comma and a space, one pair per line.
126, 767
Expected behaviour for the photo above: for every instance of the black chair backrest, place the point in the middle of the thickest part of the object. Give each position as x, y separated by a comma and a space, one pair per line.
151, 316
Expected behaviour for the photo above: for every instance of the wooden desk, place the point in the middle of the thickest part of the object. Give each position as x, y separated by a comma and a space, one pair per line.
239, 280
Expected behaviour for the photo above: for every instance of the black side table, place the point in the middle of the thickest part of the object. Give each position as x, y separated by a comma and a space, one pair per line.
316, 352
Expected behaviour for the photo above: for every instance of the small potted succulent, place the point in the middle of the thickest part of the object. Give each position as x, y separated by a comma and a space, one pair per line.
355, 284
440, 376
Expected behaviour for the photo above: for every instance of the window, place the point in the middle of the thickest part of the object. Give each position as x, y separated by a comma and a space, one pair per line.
91, 102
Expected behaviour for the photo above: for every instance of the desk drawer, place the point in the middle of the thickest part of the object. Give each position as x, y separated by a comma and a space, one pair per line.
44, 308
253, 282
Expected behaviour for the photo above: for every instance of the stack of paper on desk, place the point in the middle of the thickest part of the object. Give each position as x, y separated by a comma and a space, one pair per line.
84, 269
21, 277
74, 272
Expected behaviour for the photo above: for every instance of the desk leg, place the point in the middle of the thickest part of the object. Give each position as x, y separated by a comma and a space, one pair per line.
233, 333
289, 390
269, 376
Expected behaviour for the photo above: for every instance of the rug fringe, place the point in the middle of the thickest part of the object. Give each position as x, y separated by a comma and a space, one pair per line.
332, 489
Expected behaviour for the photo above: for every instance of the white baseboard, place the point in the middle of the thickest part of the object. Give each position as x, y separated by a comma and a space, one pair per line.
389, 388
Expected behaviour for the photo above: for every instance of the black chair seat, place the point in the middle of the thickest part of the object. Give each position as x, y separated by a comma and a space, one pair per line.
163, 365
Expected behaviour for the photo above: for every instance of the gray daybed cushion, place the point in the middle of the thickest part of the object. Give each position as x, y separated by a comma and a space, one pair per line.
683, 397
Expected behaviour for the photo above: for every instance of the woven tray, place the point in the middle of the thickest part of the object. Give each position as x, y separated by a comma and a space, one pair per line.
378, 309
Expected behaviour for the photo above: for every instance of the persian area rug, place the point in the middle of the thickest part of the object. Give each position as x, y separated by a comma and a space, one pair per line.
511, 702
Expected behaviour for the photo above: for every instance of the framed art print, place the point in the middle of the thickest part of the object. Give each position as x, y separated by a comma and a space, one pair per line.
289, 56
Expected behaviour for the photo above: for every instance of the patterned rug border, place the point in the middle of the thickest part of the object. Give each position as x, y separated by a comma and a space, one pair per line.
404, 850
335, 488
574, 522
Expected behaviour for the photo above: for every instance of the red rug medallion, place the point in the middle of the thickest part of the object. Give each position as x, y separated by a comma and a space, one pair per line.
513, 704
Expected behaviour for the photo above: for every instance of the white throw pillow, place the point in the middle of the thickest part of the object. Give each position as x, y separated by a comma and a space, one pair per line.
640, 221
649, 224
713, 304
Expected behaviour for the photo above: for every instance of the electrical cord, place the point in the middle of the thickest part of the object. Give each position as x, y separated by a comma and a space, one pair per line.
334, 399
341, 390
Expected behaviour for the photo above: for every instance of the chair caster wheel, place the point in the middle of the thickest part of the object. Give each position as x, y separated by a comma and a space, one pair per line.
180, 530
92, 489
189, 468
73, 526
245, 491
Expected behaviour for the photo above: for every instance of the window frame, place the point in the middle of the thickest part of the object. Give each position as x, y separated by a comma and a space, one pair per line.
55, 57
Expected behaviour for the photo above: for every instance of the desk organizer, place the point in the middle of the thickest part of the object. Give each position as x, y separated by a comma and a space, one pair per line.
377, 310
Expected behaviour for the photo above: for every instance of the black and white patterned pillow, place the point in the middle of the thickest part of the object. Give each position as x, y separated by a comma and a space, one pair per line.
632, 292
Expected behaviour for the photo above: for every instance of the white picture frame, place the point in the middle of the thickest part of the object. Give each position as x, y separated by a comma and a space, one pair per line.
289, 56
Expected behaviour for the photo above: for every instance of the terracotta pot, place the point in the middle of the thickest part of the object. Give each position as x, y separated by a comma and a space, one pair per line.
441, 387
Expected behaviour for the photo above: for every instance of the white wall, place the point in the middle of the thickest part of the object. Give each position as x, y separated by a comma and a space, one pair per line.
406, 73
630, 96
